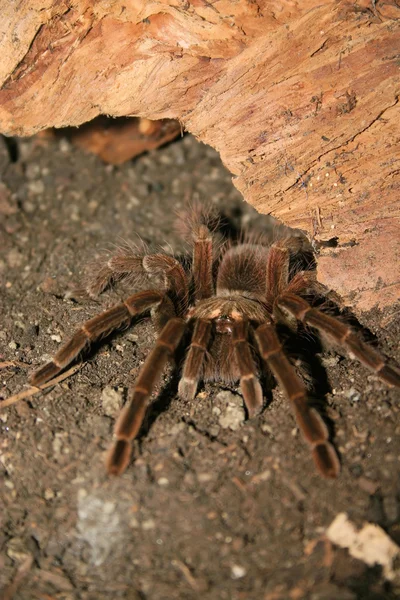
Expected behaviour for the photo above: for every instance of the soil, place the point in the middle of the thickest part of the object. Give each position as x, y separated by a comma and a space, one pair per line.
213, 506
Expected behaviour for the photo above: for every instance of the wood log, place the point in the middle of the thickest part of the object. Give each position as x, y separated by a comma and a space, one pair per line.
301, 100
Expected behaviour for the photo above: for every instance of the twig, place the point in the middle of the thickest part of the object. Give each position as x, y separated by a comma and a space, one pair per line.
194, 583
12, 363
33, 390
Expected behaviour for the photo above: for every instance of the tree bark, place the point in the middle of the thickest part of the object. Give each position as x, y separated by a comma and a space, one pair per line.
301, 100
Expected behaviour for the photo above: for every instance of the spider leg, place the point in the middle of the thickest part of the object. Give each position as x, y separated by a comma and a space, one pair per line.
203, 262
249, 384
310, 422
277, 270
174, 275
122, 265
194, 360
132, 415
137, 268
94, 328
341, 334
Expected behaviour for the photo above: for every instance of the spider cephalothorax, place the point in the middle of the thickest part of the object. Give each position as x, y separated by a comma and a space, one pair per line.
227, 299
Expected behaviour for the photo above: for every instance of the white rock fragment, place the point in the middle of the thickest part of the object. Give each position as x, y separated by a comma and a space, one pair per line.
371, 544
16, 549
163, 481
237, 572
232, 411
59, 444
99, 525
148, 525
36, 188
111, 401
49, 494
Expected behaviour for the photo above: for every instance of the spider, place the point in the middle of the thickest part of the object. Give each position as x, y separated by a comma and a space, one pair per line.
223, 302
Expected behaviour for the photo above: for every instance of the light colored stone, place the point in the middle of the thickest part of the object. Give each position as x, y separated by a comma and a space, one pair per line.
112, 401
232, 411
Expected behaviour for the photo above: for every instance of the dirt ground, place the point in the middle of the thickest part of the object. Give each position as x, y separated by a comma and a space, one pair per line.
212, 506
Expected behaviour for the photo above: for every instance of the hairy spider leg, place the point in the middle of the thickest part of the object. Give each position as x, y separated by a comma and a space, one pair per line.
137, 268
277, 270
249, 384
193, 365
309, 421
130, 420
175, 278
124, 264
203, 263
341, 334
93, 329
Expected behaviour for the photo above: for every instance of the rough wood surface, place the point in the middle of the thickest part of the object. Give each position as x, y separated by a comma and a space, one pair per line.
299, 98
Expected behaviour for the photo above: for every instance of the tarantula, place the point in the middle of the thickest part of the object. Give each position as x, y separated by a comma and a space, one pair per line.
228, 299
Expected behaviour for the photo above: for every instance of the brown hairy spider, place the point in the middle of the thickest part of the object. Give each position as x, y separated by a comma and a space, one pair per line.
227, 298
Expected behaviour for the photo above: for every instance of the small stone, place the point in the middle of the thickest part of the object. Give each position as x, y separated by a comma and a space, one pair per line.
263, 476
232, 414
237, 572
163, 481
28, 206
108, 508
64, 145
16, 550
352, 395
330, 361
111, 401
36, 188
204, 477
60, 439
149, 524
48, 494
214, 430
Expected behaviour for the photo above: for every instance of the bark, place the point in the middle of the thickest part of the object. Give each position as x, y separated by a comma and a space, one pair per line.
299, 98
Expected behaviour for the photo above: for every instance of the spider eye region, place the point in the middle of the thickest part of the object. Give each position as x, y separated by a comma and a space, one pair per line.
224, 324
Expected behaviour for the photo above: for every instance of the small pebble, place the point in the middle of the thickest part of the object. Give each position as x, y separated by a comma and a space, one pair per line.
16, 549
163, 481
48, 494
232, 413
204, 477
237, 572
111, 400
36, 187
352, 394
